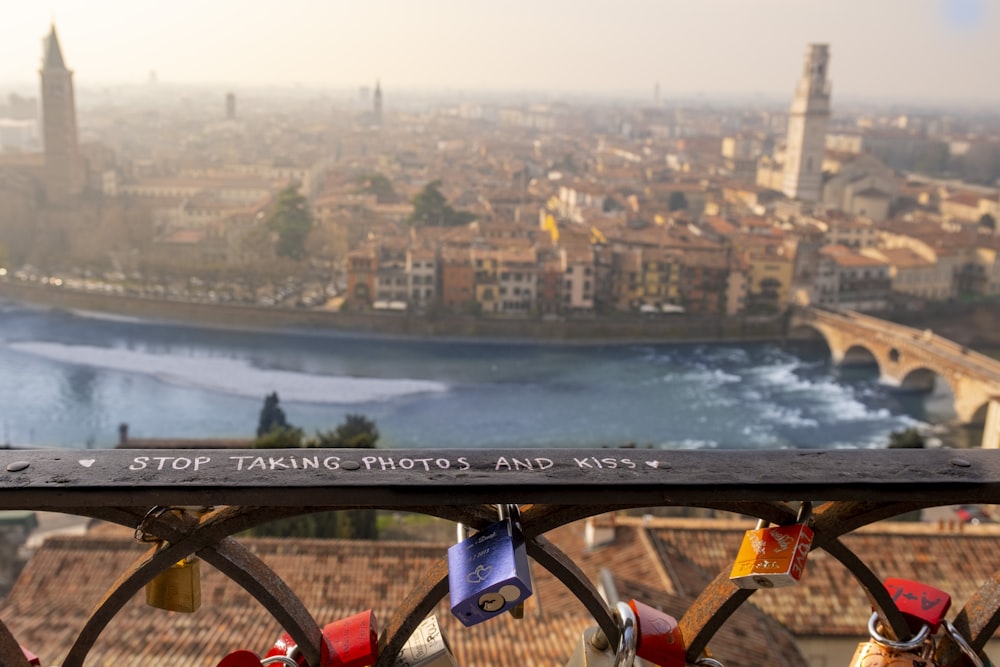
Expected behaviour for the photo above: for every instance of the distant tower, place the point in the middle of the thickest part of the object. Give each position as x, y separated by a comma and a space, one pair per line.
377, 108
656, 94
807, 121
64, 169
230, 106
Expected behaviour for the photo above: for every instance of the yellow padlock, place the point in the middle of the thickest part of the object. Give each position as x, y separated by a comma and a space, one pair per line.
177, 588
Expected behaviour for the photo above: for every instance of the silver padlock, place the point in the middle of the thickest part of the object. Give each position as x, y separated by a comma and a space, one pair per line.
594, 649
426, 647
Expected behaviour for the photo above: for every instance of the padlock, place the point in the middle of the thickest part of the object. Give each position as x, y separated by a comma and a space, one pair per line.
426, 647
594, 649
919, 603
349, 642
873, 654
353, 641
178, 588
488, 572
240, 658
658, 636
773, 557
30, 657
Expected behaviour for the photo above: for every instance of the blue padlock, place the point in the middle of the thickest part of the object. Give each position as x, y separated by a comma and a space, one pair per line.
488, 572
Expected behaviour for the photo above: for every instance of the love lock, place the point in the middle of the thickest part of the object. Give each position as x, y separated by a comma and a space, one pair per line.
488, 572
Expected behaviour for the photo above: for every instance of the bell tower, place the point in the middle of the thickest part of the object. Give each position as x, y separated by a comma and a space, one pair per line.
64, 172
807, 120
377, 109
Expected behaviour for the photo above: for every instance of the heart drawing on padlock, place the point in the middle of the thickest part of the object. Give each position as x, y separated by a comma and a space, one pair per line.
480, 574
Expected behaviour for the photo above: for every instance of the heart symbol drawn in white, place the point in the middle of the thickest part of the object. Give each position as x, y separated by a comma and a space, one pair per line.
653, 464
86, 463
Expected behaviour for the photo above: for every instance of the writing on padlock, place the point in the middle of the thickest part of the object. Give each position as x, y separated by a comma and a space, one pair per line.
488, 572
349, 642
426, 647
659, 638
773, 557
919, 603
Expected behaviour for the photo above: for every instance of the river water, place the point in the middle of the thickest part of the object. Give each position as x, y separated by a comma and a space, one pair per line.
69, 379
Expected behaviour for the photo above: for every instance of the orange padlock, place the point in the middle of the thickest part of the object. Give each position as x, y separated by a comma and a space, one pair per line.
773, 557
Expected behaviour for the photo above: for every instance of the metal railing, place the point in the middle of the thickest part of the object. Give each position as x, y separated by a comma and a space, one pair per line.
241, 489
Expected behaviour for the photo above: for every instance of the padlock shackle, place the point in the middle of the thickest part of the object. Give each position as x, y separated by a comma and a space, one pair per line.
805, 512
509, 511
907, 645
962, 644
279, 660
628, 639
708, 662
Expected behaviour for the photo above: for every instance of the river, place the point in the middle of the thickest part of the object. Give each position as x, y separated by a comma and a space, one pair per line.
69, 379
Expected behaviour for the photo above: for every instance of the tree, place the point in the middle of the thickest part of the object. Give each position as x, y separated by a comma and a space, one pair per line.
271, 415
357, 432
677, 201
376, 184
987, 221
430, 207
291, 219
909, 438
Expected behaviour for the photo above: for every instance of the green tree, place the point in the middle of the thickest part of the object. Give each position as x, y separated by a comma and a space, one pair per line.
291, 219
355, 432
909, 438
376, 184
430, 207
677, 201
272, 417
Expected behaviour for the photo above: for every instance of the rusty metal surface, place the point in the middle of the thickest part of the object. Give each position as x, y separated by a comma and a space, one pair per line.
246, 488
418, 604
10, 651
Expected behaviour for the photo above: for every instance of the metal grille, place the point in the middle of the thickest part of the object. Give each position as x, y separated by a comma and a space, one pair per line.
245, 488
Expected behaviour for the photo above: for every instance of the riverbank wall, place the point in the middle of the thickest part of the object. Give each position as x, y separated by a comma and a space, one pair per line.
230, 316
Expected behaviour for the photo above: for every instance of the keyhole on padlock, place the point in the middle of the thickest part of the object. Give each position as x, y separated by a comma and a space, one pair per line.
763, 582
491, 602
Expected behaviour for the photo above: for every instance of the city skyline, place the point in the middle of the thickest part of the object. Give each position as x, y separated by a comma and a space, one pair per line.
896, 51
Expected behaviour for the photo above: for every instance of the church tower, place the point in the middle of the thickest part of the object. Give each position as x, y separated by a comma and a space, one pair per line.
64, 172
807, 122
378, 103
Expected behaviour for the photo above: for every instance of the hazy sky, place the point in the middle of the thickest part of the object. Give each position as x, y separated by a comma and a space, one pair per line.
892, 50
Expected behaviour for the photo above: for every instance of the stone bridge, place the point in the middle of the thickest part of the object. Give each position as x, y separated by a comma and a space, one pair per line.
910, 359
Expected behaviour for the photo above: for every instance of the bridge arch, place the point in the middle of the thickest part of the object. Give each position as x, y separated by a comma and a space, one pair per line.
978, 417
859, 354
920, 380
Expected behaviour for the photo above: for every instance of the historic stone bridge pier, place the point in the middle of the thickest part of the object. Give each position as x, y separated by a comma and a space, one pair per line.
911, 360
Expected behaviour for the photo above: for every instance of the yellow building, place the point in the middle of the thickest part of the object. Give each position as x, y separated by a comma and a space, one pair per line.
772, 267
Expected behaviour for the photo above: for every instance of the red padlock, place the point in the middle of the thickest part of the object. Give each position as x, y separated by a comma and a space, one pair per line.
919, 603
349, 642
30, 657
241, 658
659, 636
353, 641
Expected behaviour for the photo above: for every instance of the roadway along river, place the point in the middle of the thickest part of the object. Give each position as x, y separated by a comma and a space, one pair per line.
69, 379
